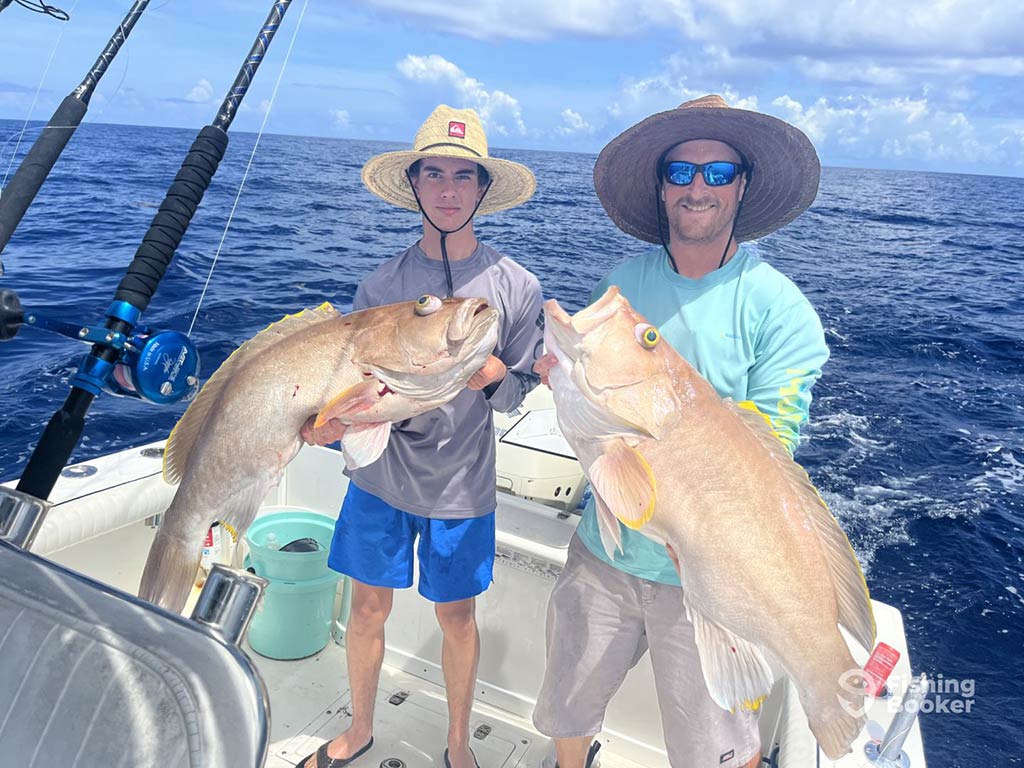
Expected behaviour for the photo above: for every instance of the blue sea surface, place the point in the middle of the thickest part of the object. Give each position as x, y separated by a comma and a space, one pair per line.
916, 438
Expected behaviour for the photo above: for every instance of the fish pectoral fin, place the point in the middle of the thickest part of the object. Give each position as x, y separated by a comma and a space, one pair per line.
353, 400
736, 671
625, 482
363, 444
608, 526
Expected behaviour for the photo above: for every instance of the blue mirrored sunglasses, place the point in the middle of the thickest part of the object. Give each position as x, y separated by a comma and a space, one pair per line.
717, 174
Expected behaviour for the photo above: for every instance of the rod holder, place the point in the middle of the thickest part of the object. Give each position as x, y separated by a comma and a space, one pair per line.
228, 601
21, 517
888, 753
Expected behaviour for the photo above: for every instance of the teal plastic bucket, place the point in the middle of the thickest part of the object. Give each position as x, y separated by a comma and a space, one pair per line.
295, 617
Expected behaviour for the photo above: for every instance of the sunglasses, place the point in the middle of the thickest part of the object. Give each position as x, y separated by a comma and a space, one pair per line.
720, 173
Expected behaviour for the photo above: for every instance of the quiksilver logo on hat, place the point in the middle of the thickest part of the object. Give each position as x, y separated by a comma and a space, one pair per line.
456, 129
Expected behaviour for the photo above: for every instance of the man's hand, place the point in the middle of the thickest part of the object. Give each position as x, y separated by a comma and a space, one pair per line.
493, 370
543, 368
324, 435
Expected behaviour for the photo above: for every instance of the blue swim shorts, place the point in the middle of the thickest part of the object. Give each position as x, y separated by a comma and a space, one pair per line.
373, 543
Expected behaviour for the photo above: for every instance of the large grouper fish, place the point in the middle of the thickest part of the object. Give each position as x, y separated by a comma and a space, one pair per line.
367, 369
766, 571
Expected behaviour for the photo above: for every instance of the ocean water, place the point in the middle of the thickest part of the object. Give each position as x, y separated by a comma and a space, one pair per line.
916, 438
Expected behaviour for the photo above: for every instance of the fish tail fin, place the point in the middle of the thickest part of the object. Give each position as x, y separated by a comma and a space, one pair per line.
839, 710
835, 728
170, 571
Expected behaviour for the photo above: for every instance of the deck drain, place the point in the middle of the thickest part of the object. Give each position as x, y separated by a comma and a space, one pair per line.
152, 453
79, 470
392, 762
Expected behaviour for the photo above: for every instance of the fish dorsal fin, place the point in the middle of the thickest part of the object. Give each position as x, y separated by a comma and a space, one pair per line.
851, 589
183, 436
625, 482
736, 672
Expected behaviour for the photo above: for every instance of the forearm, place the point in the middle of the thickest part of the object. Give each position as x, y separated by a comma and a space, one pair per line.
509, 393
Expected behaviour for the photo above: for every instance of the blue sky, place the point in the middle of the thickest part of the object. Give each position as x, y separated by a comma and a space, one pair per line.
912, 84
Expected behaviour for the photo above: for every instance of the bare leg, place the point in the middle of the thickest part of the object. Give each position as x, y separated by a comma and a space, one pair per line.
754, 762
364, 649
572, 753
460, 653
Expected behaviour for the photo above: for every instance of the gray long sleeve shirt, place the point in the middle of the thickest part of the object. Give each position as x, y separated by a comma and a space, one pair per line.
441, 464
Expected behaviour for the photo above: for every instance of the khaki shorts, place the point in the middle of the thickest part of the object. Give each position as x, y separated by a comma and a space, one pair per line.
600, 623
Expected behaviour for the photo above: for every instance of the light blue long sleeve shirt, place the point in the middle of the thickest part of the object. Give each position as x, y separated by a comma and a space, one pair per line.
748, 330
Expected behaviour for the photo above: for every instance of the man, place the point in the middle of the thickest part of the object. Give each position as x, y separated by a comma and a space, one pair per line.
717, 177
436, 479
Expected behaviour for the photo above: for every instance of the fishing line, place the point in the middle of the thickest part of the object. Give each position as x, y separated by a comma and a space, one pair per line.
127, 60
252, 155
32, 108
50, 10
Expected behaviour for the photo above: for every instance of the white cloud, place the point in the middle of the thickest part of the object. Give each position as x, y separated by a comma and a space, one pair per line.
850, 71
573, 124
500, 113
946, 27
676, 83
525, 19
339, 118
910, 131
201, 92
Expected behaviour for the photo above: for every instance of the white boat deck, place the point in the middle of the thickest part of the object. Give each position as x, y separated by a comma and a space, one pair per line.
309, 704
99, 530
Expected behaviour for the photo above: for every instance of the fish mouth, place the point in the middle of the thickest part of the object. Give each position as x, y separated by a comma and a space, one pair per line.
470, 326
466, 318
471, 336
564, 333
560, 338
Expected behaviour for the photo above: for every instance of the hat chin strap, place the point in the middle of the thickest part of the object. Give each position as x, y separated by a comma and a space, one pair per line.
445, 233
661, 234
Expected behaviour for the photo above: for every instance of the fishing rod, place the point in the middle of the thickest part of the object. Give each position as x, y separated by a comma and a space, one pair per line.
38, 163
161, 367
39, 7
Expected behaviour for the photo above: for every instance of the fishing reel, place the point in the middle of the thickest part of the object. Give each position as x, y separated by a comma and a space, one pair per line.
161, 367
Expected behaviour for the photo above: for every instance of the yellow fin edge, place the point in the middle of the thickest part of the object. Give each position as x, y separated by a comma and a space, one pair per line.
649, 512
751, 706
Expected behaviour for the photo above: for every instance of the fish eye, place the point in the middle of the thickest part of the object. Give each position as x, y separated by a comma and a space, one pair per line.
647, 335
427, 305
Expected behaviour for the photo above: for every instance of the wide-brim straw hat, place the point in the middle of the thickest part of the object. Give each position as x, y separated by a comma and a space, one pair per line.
449, 133
785, 167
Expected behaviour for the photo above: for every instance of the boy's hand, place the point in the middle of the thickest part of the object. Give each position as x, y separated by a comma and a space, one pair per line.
326, 434
493, 370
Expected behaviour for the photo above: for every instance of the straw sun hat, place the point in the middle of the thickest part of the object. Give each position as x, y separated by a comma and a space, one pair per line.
449, 133
783, 183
